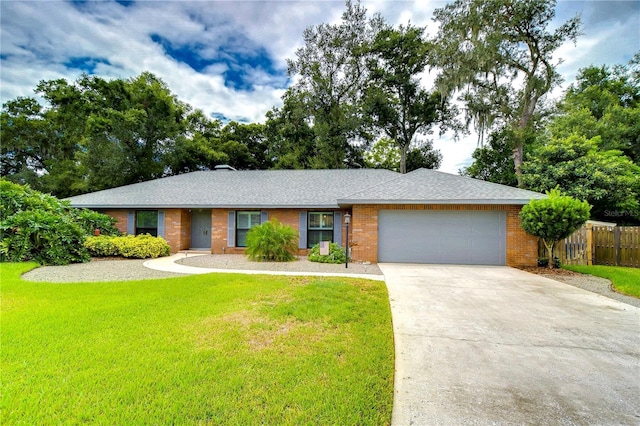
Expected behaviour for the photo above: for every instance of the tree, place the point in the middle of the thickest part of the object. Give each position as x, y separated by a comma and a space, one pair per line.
91, 134
331, 72
396, 102
554, 218
384, 154
290, 136
423, 156
499, 54
493, 162
608, 180
604, 101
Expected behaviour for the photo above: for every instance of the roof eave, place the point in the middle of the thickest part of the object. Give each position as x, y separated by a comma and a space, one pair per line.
493, 201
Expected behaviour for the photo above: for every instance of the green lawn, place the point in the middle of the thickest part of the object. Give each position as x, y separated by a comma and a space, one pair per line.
223, 349
624, 280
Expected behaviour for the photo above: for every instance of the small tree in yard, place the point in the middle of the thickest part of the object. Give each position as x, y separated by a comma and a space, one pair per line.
272, 241
554, 218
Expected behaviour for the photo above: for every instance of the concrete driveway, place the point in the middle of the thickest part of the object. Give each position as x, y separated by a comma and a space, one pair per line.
496, 345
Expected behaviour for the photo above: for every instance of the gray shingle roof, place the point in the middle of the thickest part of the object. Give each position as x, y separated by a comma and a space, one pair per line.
237, 189
424, 186
303, 189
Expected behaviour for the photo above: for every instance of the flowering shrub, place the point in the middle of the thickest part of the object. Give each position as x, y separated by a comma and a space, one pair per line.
139, 247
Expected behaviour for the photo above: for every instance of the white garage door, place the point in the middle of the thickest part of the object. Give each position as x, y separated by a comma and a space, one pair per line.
450, 237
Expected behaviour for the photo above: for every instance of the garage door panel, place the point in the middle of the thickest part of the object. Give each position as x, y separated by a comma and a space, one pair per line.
449, 237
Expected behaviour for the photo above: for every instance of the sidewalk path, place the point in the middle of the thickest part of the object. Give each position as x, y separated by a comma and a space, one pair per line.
170, 264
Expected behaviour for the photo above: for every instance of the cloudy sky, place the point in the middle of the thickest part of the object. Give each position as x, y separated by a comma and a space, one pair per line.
228, 58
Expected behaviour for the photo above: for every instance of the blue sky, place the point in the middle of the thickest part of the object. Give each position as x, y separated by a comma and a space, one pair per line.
228, 58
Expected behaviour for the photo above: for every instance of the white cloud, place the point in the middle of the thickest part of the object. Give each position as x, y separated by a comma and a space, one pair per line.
39, 38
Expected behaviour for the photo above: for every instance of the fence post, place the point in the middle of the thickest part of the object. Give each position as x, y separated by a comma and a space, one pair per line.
616, 244
590, 248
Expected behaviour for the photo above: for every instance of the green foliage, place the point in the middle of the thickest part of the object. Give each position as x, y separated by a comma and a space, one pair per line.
554, 218
395, 99
90, 220
39, 227
336, 254
500, 56
604, 101
142, 246
607, 180
330, 72
42, 236
272, 241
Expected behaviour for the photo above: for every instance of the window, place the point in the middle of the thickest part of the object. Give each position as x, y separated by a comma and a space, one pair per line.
147, 222
244, 222
319, 228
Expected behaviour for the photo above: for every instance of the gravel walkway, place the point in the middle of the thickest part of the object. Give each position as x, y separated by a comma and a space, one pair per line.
97, 270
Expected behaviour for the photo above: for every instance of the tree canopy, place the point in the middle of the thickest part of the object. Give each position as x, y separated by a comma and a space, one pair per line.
500, 56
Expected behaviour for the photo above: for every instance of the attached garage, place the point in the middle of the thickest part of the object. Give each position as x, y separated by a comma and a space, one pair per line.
442, 236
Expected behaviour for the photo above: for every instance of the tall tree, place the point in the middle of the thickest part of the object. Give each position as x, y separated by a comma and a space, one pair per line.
331, 72
396, 101
499, 54
290, 135
604, 101
608, 180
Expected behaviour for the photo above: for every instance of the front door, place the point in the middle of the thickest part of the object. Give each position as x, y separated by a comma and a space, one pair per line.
201, 229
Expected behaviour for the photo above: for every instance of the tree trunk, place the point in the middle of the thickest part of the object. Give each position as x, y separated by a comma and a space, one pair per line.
550, 248
403, 158
518, 154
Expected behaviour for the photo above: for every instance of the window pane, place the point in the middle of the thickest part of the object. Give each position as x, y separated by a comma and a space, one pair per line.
327, 220
320, 220
255, 219
243, 220
314, 237
147, 222
314, 220
146, 219
241, 237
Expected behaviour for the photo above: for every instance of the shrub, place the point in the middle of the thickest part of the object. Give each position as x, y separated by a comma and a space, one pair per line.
42, 236
336, 254
39, 227
139, 247
272, 241
90, 220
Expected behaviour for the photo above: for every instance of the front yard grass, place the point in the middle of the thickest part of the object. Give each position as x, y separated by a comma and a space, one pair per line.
223, 349
624, 280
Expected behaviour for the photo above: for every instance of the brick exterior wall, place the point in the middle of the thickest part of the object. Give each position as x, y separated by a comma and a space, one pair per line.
219, 228
522, 248
120, 216
177, 226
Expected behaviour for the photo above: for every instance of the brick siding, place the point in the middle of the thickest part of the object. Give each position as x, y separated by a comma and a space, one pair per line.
521, 248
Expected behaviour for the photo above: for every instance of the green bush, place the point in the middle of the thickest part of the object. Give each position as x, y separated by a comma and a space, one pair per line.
90, 220
139, 247
42, 236
272, 241
336, 254
102, 246
39, 227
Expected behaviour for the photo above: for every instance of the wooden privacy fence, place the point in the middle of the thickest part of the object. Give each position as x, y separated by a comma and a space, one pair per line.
599, 245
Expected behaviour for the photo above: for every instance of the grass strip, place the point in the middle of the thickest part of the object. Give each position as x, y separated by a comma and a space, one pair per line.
624, 280
222, 349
